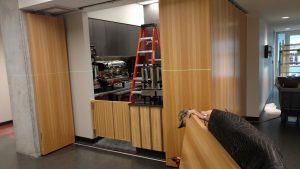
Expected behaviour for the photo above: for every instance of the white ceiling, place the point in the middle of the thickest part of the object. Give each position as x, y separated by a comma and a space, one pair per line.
272, 11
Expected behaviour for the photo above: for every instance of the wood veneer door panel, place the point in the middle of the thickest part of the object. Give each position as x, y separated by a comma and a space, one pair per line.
47, 45
156, 129
228, 56
145, 127
121, 121
135, 126
182, 90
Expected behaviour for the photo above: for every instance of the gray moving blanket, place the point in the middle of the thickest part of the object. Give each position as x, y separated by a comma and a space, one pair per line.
247, 146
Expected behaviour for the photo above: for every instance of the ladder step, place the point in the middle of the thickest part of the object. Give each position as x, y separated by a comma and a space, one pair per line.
145, 38
138, 79
142, 65
156, 60
136, 92
145, 51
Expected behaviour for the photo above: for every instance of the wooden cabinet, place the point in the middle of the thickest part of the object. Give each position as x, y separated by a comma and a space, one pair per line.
142, 125
146, 127
111, 119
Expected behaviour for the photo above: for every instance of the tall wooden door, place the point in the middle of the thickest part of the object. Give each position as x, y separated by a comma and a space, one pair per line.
48, 55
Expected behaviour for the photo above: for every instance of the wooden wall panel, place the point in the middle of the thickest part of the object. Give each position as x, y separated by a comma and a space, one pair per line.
49, 61
228, 32
103, 118
203, 61
156, 129
145, 127
201, 150
186, 62
121, 121
135, 126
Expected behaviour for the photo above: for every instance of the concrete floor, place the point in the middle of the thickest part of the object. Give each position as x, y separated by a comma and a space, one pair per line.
71, 157
287, 137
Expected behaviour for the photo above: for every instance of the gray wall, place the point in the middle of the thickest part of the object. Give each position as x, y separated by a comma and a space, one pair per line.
13, 30
151, 13
113, 39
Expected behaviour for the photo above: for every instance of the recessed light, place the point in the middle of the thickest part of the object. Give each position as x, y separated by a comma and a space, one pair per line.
285, 17
287, 28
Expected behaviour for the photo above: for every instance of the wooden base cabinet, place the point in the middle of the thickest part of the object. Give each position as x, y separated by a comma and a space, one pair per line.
146, 127
111, 119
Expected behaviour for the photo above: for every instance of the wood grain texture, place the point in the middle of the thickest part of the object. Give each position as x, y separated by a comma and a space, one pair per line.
135, 126
121, 121
103, 118
228, 25
186, 62
201, 150
145, 127
203, 59
49, 61
156, 129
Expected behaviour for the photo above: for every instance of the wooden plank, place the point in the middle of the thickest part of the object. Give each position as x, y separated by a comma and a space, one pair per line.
156, 128
135, 126
145, 127
201, 150
121, 121
104, 118
47, 47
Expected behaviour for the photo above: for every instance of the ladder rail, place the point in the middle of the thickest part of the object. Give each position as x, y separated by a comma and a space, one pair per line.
143, 40
135, 67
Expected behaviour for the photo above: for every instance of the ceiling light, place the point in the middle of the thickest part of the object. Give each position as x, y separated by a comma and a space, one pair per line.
287, 28
285, 17
148, 2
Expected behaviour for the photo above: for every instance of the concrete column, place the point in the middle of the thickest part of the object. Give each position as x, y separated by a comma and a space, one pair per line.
19, 77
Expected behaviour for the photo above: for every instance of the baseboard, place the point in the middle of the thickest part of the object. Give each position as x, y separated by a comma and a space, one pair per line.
6, 122
251, 118
86, 140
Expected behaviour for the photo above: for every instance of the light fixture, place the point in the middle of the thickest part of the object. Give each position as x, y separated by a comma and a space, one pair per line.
148, 2
287, 29
285, 17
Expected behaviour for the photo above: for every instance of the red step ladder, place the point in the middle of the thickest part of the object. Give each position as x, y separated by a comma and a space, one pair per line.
143, 39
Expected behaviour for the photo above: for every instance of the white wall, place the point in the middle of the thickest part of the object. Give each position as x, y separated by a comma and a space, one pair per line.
265, 65
80, 72
259, 69
129, 14
27, 3
5, 112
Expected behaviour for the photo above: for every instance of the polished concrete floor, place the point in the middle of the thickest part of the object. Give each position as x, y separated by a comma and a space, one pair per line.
285, 136
71, 157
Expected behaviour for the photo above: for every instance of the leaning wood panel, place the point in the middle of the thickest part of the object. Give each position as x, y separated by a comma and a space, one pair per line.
185, 47
48, 56
145, 127
156, 129
201, 150
103, 118
135, 126
121, 121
